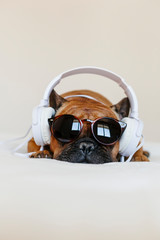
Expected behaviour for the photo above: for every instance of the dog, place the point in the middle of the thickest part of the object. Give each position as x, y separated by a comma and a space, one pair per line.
86, 106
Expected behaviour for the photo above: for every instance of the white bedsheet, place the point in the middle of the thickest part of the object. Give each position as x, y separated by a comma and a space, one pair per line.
49, 199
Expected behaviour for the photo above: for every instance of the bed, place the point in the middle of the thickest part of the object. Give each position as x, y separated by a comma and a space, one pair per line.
50, 199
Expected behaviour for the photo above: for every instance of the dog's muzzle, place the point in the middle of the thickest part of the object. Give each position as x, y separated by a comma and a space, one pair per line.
86, 150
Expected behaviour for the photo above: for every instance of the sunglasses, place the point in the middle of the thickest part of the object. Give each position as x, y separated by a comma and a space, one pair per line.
66, 128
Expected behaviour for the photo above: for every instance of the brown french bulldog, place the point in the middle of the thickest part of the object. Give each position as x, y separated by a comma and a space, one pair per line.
83, 146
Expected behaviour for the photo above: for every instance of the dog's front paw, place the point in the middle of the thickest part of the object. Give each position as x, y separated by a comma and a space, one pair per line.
42, 154
141, 158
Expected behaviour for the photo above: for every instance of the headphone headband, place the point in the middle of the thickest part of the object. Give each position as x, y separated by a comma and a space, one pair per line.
98, 71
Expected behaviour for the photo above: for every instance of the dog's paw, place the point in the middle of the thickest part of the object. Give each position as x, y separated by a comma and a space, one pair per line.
141, 158
42, 154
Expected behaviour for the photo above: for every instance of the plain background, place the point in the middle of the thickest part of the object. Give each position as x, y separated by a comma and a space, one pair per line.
40, 39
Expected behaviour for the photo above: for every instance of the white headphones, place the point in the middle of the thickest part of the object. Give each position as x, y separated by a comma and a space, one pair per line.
132, 134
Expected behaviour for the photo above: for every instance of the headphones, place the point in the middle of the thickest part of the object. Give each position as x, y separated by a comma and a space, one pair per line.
132, 134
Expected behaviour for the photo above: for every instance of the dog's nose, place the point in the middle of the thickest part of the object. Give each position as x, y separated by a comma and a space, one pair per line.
86, 147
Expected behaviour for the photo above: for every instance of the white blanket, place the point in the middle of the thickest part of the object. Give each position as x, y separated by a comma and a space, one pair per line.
51, 200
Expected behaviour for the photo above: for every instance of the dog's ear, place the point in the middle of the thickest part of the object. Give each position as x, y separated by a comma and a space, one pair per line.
122, 108
55, 100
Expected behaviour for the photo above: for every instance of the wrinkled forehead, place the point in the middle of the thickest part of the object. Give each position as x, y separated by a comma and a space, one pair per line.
86, 109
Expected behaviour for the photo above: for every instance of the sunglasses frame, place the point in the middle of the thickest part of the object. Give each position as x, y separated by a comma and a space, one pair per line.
122, 125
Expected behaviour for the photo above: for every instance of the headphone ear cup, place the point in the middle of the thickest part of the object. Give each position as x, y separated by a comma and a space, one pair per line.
131, 136
45, 129
40, 126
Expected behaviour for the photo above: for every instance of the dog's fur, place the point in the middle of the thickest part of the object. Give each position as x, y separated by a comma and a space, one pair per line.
85, 108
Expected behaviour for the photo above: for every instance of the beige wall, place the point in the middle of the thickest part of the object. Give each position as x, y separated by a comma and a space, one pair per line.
40, 39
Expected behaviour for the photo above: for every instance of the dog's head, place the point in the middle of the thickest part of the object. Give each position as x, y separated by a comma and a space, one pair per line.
85, 148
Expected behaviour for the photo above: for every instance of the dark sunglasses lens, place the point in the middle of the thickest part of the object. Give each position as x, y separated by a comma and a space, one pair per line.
66, 128
106, 131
